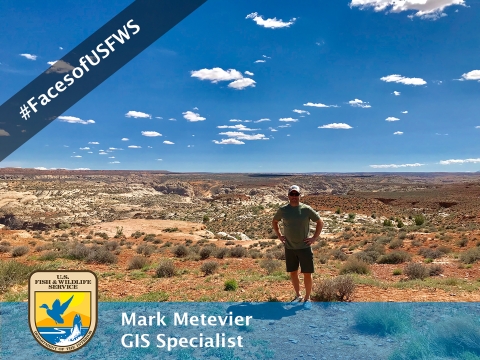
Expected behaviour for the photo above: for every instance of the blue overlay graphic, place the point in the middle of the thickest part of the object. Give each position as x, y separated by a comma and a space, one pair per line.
271, 330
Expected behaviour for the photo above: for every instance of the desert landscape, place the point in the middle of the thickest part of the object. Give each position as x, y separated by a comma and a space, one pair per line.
163, 236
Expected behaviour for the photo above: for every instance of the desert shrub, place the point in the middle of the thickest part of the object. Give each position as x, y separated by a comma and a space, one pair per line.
64, 226
137, 234
400, 224
462, 242
44, 247
14, 273
209, 267
5, 243
149, 237
395, 244
381, 319
383, 240
137, 262
339, 255
416, 271
395, 257
111, 245
402, 235
444, 249
172, 229
205, 252
180, 251
220, 253
470, 256
275, 254
457, 336
230, 285
419, 220
49, 256
271, 265
397, 272
238, 251
166, 268
417, 243
145, 250
340, 288
351, 217
77, 252
430, 253
4, 249
100, 255
229, 242
255, 253
354, 265
19, 251
338, 211
387, 222
322, 243
102, 235
435, 270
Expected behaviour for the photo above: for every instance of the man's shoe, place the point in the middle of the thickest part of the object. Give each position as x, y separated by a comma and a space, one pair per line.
307, 304
296, 300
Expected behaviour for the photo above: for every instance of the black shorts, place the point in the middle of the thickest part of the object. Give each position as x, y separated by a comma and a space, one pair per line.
304, 257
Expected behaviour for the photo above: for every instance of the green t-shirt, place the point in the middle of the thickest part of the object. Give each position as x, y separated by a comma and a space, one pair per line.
296, 224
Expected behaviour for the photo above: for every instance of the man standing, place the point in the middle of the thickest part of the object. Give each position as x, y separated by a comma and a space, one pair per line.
296, 226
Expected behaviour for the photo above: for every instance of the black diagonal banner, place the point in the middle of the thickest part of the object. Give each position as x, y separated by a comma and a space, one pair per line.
86, 67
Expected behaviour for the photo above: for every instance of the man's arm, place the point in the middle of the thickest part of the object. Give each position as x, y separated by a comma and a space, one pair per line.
315, 236
277, 231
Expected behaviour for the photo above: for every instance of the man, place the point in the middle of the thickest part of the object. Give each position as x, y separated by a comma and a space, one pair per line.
296, 218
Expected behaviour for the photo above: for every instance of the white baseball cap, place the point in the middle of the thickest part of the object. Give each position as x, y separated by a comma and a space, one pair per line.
294, 188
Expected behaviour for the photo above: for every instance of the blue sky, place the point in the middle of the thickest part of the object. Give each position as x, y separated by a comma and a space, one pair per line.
325, 86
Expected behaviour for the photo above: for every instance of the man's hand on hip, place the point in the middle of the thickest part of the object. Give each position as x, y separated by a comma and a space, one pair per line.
310, 241
282, 239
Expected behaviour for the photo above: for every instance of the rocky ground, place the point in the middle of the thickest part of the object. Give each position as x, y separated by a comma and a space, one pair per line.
56, 215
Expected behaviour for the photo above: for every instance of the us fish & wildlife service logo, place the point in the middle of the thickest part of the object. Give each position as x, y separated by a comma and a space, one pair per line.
63, 308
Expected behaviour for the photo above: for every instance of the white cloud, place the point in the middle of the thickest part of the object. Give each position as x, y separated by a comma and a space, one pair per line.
289, 119
150, 147
112, 148
335, 126
168, 142
359, 103
217, 74
40, 168
111, 157
241, 136
396, 93
249, 73
114, 162
4, 133
285, 126
195, 108
75, 120
89, 152
472, 75
395, 166
158, 117
150, 133
320, 105
125, 139
459, 161
102, 153
270, 23
82, 169
405, 112
76, 156
273, 130
266, 57
235, 120
138, 114
59, 67
29, 56
477, 127
242, 83
159, 159
425, 9
51, 62
391, 118
172, 119
85, 148
403, 80
301, 111
239, 127
259, 61
229, 142
398, 133
192, 117
94, 143
61, 48
262, 120
134, 147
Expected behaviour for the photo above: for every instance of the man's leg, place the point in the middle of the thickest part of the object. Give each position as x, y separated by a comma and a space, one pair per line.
295, 281
307, 278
